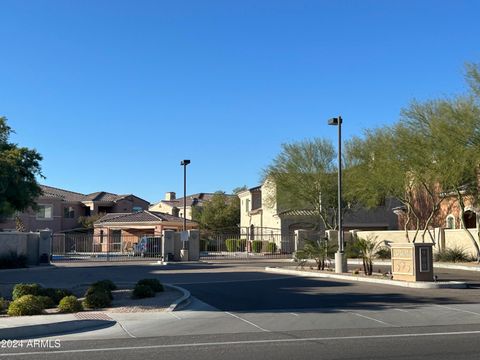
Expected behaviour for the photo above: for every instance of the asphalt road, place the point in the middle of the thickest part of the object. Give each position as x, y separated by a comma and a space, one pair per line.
243, 312
436, 343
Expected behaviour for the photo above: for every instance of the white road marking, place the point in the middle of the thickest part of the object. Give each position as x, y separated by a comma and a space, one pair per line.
459, 310
405, 311
175, 315
370, 318
293, 314
248, 322
245, 342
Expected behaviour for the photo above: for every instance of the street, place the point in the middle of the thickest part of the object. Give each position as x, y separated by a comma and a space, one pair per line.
238, 311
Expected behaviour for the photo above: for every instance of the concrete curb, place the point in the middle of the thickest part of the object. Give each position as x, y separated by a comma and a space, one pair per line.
183, 299
437, 265
418, 285
23, 332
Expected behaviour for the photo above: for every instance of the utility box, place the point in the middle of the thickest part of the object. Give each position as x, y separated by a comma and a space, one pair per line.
412, 261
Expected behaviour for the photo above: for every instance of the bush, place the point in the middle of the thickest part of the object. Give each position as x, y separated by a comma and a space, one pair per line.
142, 291
455, 254
55, 294
70, 304
97, 299
231, 245
93, 289
351, 251
25, 305
153, 283
47, 302
271, 247
257, 246
383, 253
105, 284
20, 290
13, 261
3, 304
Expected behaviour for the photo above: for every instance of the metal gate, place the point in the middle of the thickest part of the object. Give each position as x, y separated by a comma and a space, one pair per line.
234, 246
113, 247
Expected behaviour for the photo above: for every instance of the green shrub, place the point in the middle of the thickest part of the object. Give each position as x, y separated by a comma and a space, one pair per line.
47, 302
94, 289
153, 283
383, 253
13, 261
351, 251
97, 299
105, 284
455, 254
55, 294
142, 291
25, 305
257, 246
242, 244
231, 245
70, 304
203, 244
3, 304
271, 247
20, 290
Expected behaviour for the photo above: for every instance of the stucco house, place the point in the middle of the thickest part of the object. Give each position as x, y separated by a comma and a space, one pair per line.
173, 206
259, 216
128, 228
59, 210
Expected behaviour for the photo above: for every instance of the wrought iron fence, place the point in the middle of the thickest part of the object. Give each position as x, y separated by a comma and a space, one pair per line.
68, 247
241, 246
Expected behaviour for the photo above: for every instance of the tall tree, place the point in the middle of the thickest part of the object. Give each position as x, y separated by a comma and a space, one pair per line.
19, 167
304, 174
220, 213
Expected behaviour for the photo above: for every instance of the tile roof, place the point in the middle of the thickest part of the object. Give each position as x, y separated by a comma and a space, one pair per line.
300, 212
139, 217
104, 196
196, 199
66, 195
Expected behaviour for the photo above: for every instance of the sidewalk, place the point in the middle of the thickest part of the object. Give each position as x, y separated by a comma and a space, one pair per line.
28, 327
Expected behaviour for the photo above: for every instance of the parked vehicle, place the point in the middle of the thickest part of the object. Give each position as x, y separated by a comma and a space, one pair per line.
148, 246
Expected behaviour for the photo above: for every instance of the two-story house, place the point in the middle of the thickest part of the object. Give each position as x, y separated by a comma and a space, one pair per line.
59, 210
260, 215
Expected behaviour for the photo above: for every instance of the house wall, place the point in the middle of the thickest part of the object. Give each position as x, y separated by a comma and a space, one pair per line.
127, 204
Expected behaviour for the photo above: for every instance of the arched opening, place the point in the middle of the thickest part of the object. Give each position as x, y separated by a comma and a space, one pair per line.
470, 219
450, 222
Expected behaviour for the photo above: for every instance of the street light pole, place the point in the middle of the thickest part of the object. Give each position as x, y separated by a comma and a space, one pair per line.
184, 163
340, 263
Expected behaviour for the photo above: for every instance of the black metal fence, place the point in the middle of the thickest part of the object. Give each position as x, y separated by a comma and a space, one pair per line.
236, 246
71, 247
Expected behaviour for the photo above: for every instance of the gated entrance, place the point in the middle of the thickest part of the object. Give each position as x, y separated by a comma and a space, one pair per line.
116, 247
235, 246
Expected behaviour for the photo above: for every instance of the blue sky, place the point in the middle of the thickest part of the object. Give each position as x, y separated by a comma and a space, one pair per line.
114, 94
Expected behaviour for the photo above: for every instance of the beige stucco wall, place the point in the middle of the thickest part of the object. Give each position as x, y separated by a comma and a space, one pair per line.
266, 216
453, 238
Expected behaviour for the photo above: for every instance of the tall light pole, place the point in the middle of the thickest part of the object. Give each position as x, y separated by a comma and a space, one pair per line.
184, 163
340, 263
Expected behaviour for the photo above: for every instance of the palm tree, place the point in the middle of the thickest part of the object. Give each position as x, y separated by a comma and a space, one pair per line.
315, 249
367, 249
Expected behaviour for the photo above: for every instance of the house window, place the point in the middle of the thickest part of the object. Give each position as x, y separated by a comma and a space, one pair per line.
247, 205
137, 209
450, 222
68, 212
45, 212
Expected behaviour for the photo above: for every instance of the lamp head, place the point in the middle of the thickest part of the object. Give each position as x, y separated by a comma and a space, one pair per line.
185, 162
335, 121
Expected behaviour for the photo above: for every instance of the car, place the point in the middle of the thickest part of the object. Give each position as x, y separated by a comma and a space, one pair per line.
148, 246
